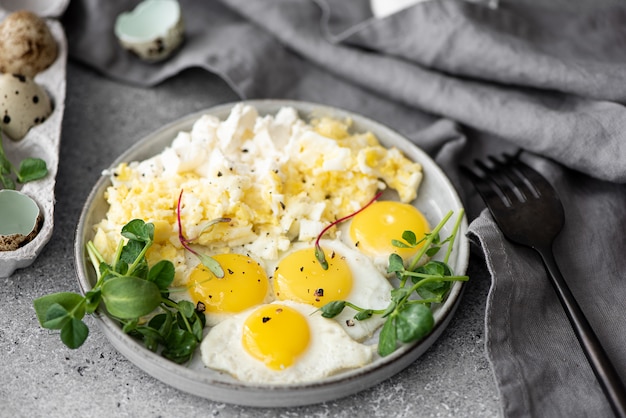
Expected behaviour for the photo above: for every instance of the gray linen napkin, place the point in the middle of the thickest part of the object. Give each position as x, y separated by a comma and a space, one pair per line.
460, 80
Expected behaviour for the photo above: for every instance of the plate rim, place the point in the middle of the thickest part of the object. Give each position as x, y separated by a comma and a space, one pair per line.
269, 395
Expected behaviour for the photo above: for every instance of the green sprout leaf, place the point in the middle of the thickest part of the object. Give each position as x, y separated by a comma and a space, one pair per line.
31, 169
74, 333
387, 340
68, 301
332, 309
414, 322
212, 264
130, 297
321, 257
162, 274
56, 317
364, 314
396, 264
138, 230
180, 346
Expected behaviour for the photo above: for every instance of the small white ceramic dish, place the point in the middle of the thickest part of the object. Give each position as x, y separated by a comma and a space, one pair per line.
41, 141
436, 197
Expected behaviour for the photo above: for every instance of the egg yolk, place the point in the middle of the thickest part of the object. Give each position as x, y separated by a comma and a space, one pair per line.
300, 277
373, 229
276, 335
244, 284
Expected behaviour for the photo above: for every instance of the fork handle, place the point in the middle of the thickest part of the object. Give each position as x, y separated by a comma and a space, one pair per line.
604, 370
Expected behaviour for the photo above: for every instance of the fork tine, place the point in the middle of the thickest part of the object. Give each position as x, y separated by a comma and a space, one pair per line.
537, 183
514, 177
490, 192
509, 183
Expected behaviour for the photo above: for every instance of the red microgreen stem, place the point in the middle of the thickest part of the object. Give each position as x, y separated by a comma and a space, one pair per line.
319, 252
207, 261
181, 237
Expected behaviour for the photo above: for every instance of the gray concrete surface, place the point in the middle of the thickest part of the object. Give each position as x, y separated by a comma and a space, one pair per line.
41, 377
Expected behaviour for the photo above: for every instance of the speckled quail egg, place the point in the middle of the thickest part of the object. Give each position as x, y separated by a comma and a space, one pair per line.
23, 104
27, 46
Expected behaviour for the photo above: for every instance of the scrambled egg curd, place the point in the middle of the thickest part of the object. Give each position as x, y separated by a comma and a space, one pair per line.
278, 178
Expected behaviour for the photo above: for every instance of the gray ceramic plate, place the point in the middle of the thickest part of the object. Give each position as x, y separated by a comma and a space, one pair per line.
436, 198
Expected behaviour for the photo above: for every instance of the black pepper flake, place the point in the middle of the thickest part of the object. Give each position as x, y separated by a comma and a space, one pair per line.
332, 255
6, 119
302, 268
20, 77
350, 322
319, 292
230, 271
200, 306
356, 244
35, 99
266, 318
244, 150
219, 174
282, 205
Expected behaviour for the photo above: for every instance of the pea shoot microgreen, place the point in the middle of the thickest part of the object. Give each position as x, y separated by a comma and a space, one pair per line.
319, 252
409, 315
30, 169
208, 261
133, 293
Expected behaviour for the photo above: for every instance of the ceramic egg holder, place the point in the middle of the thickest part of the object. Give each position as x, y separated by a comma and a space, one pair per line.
41, 141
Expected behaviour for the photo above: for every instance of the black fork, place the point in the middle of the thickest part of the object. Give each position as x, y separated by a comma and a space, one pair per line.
517, 196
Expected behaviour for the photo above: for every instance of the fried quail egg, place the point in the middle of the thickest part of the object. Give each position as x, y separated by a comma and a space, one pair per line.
372, 230
350, 276
282, 342
244, 285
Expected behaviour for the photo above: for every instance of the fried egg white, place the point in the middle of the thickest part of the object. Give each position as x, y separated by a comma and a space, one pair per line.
350, 276
372, 230
282, 342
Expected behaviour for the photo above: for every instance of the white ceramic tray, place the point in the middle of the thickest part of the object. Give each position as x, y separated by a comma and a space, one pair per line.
43, 142
435, 198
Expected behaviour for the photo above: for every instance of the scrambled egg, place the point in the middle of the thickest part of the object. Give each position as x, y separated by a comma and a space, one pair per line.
278, 178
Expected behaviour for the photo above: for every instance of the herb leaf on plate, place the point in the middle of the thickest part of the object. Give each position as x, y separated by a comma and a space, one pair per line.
134, 294
409, 315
